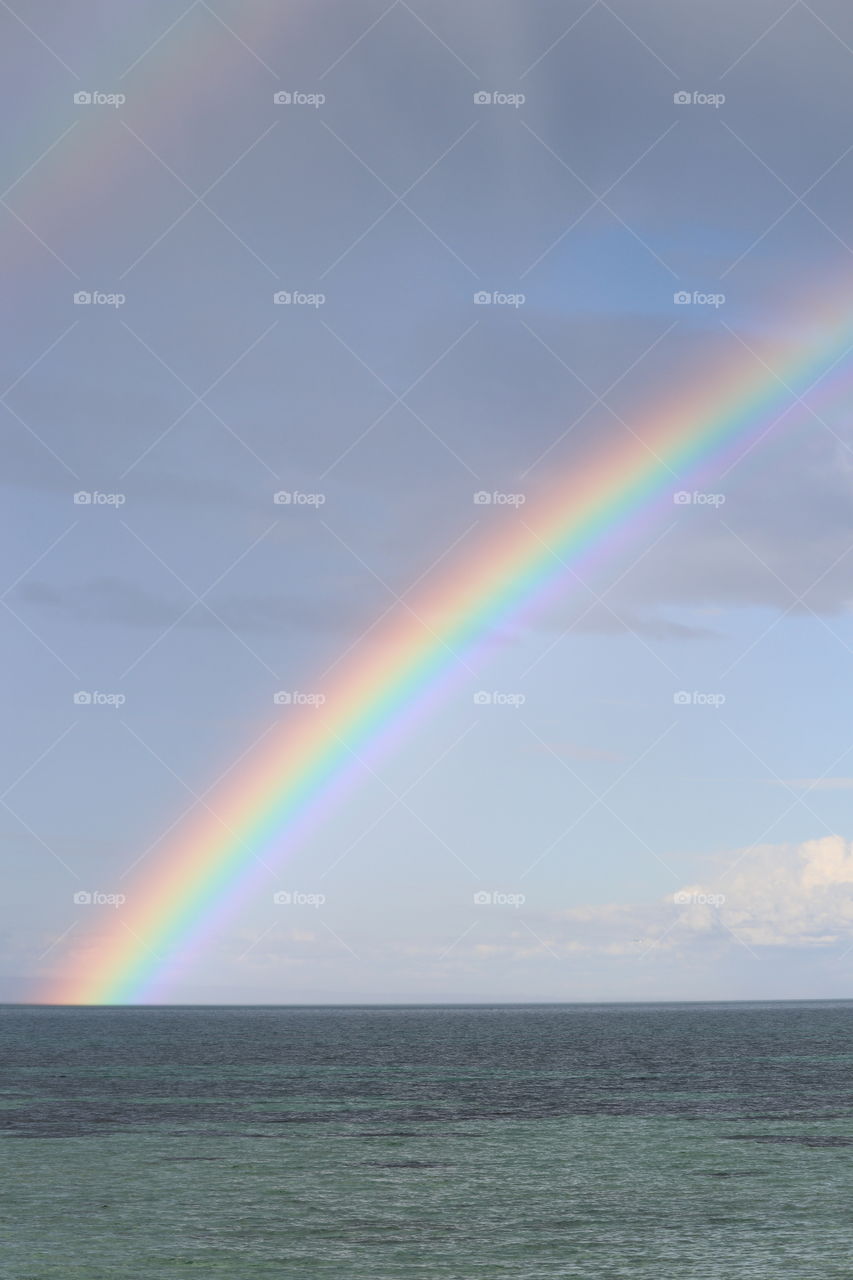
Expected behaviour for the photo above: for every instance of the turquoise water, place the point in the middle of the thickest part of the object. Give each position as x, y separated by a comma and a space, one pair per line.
679, 1142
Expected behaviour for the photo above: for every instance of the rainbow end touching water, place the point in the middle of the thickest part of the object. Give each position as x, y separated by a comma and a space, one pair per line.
404, 666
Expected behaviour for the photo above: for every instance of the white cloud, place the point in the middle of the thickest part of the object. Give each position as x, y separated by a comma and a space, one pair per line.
766, 896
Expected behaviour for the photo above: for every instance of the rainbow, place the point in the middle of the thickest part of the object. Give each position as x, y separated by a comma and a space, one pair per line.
407, 663
179, 71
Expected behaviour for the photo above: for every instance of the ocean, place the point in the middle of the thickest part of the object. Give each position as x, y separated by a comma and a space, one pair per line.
674, 1142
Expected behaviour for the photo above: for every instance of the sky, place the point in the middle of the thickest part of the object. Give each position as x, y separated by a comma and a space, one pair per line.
592, 833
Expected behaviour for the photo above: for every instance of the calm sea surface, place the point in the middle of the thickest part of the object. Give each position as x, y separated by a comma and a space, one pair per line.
673, 1142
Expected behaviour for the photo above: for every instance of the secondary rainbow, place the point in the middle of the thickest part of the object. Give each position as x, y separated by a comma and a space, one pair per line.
72, 162
408, 662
